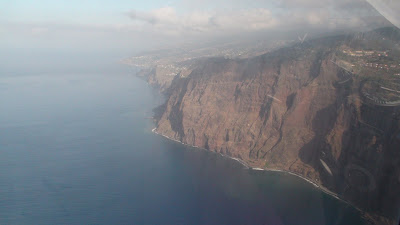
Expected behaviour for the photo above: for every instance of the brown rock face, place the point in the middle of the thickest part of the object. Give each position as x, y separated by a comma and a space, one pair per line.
289, 110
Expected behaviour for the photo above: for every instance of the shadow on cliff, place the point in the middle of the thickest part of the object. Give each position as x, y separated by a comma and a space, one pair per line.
317, 148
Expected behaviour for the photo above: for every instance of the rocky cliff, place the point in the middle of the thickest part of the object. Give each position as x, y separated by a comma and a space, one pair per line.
296, 109
162, 76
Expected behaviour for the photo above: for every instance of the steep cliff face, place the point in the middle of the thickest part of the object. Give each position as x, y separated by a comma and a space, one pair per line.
162, 76
294, 110
158, 77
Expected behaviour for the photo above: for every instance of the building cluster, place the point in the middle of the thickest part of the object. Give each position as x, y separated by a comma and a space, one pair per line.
382, 66
360, 53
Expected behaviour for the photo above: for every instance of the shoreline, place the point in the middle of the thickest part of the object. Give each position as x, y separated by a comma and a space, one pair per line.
320, 187
193, 146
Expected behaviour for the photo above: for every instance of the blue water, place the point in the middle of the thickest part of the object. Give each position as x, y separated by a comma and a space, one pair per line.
78, 149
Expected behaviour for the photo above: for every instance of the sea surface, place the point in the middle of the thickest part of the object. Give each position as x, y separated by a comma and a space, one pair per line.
77, 148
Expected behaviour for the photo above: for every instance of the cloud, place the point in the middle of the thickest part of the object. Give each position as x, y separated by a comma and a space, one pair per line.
161, 15
282, 14
204, 21
196, 21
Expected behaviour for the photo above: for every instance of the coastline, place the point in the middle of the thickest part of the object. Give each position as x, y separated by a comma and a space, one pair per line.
320, 187
193, 146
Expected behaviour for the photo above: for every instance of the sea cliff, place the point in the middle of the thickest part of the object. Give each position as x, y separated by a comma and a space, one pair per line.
298, 109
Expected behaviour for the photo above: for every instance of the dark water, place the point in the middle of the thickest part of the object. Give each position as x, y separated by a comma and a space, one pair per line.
77, 149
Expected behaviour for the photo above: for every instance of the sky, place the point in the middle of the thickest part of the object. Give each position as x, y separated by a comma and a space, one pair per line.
129, 26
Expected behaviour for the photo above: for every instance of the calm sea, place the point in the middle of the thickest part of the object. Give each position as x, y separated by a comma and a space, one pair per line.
78, 149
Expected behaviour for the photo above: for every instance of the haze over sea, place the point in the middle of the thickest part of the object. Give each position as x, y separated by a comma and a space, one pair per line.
76, 148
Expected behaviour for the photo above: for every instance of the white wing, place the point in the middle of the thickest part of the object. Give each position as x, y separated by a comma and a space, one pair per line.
389, 9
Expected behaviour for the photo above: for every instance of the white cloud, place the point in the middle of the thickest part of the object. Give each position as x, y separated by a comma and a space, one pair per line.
182, 24
313, 14
168, 21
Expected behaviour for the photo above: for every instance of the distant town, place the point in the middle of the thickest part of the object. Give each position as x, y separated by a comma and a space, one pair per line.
180, 59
